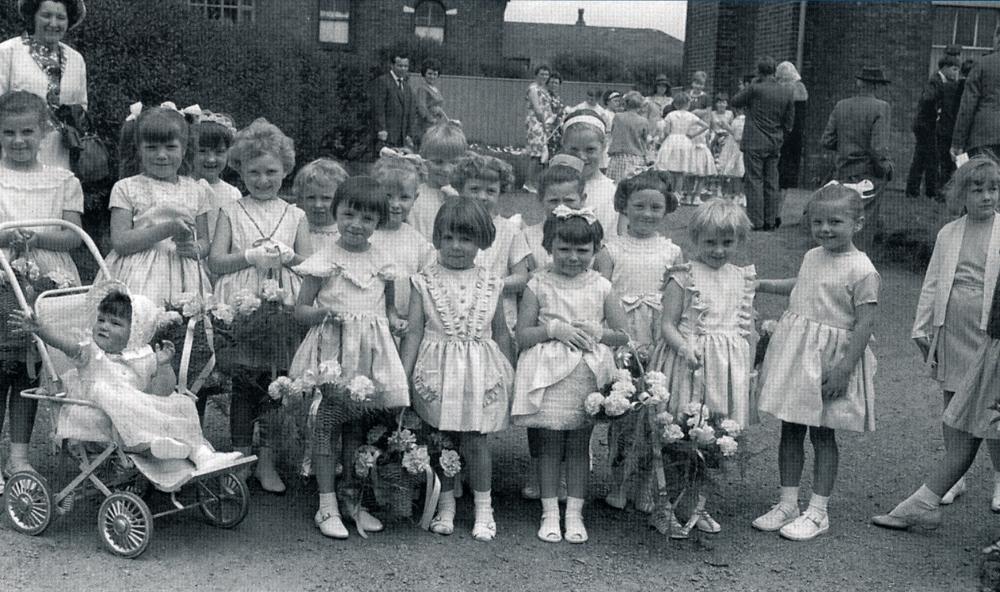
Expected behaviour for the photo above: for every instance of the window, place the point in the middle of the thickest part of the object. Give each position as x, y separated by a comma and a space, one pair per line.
965, 24
335, 21
428, 19
234, 11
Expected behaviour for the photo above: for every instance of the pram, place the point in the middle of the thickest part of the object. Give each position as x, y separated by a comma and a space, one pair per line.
124, 520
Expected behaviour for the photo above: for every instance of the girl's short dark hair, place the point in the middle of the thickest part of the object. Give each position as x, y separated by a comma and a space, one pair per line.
574, 230
208, 134
719, 97
557, 175
116, 304
21, 102
833, 193
156, 124
658, 181
467, 218
362, 194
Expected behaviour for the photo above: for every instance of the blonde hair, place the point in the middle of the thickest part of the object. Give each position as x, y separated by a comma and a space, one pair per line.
835, 192
398, 169
262, 138
980, 170
720, 216
633, 99
479, 166
445, 139
322, 172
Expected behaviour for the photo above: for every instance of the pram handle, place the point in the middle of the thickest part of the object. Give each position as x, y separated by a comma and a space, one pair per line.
16, 287
40, 394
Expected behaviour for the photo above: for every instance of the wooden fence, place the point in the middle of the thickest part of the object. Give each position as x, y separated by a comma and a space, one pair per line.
492, 110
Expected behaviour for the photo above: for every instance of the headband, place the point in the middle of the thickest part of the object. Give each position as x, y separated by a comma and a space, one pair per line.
216, 118
567, 160
585, 118
564, 213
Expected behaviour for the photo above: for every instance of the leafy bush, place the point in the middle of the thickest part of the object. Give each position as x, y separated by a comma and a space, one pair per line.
600, 67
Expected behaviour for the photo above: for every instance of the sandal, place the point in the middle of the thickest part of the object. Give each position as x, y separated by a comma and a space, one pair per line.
576, 532
707, 524
549, 530
484, 531
992, 549
443, 523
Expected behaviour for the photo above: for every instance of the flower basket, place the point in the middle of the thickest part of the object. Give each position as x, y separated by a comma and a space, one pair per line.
33, 282
394, 489
260, 331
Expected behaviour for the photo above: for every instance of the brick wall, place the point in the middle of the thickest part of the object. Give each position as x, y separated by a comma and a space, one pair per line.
842, 37
701, 49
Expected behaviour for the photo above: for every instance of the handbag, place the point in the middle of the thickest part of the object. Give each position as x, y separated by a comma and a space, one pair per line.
89, 157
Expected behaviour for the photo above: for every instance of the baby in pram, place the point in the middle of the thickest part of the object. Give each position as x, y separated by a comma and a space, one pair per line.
130, 381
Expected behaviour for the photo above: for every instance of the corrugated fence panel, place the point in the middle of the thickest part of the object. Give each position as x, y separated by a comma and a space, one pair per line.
492, 110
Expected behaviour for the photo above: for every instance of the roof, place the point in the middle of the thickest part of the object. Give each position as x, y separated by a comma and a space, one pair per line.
542, 41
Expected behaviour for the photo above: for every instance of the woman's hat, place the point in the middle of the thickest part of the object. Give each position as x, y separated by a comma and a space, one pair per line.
80, 12
662, 79
872, 74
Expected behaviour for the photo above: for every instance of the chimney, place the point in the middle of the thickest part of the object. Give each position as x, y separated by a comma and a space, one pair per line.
579, 18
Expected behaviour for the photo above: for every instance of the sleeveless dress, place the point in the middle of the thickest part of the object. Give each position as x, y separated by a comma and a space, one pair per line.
702, 161
462, 382
675, 152
222, 194
717, 320
552, 378
730, 156
641, 264
508, 249
812, 336
159, 273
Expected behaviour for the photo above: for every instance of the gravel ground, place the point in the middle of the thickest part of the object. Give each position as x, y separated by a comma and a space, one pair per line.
278, 548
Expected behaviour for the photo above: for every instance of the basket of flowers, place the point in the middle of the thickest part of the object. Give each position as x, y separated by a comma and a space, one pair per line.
189, 323
32, 282
261, 323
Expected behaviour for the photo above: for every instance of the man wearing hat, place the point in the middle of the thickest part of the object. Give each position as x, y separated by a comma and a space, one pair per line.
22, 58
926, 163
977, 127
858, 130
770, 114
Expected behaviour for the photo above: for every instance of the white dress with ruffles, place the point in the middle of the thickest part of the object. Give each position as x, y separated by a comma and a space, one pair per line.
717, 321
552, 378
159, 273
462, 382
640, 267
411, 252
45, 192
508, 249
813, 335
362, 343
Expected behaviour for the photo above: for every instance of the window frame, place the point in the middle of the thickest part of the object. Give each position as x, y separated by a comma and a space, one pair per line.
977, 9
429, 26
245, 10
349, 44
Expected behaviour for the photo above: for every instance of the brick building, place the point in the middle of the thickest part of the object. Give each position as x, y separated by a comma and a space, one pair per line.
829, 42
364, 27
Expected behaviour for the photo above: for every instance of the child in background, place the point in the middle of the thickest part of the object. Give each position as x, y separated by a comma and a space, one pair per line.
159, 215
701, 165
400, 178
30, 189
314, 187
211, 136
697, 95
486, 178
675, 152
457, 353
442, 145
568, 321
259, 238
818, 373
629, 137
561, 184
707, 321
585, 137
347, 299
730, 167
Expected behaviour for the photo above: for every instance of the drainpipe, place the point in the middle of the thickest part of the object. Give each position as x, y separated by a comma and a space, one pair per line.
801, 41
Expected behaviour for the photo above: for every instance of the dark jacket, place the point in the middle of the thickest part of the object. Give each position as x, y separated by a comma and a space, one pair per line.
858, 130
393, 109
929, 106
770, 110
978, 121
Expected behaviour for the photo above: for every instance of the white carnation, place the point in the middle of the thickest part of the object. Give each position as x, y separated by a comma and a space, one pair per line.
593, 403
727, 445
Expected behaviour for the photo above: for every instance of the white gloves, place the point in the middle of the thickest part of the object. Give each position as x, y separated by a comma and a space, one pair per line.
263, 257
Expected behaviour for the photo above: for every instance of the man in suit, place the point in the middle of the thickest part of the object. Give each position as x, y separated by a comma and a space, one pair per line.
931, 106
770, 113
393, 109
858, 130
977, 127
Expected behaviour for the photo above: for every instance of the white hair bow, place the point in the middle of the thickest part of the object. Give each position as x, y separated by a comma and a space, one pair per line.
563, 212
865, 188
135, 109
387, 152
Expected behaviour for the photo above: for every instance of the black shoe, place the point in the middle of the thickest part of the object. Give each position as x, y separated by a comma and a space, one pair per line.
777, 222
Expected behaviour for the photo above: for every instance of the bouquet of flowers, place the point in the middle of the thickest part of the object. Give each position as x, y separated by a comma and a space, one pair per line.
262, 319
630, 387
33, 282
175, 326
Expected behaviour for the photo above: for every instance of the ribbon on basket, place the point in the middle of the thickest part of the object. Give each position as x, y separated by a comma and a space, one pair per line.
206, 371
431, 495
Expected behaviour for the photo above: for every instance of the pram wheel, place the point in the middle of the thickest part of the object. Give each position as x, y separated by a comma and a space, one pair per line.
125, 524
29, 502
224, 500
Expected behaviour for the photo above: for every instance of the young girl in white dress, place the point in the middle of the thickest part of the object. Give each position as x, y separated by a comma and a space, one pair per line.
560, 184
347, 299
457, 353
568, 322
486, 178
585, 137
314, 187
675, 153
442, 145
708, 324
400, 176
159, 215
211, 137
818, 374
701, 165
30, 189
257, 238
731, 168
131, 382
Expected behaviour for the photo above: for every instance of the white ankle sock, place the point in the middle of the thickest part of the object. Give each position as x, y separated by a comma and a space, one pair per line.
926, 497
18, 453
574, 506
818, 503
550, 505
790, 497
483, 503
328, 503
446, 503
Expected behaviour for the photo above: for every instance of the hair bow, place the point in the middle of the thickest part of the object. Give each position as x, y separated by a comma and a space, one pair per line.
563, 212
387, 152
135, 109
219, 119
865, 188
